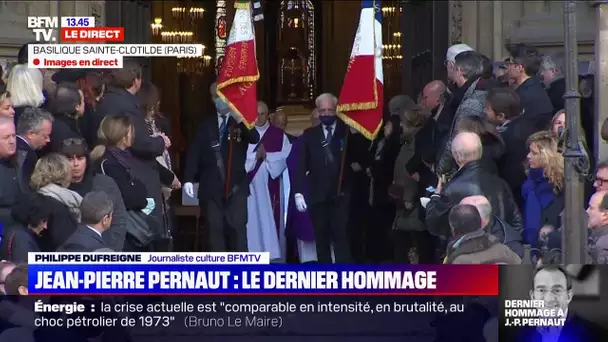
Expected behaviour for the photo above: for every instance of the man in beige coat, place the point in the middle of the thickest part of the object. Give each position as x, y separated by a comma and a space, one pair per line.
472, 244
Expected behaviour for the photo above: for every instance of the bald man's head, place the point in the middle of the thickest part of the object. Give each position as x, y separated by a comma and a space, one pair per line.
483, 206
5, 269
431, 94
466, 147
279, 119
262, 114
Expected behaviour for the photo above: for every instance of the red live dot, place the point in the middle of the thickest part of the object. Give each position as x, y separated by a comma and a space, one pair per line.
36, 61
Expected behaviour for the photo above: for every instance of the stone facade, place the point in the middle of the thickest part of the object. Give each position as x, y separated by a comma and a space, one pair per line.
488, 26
13, 21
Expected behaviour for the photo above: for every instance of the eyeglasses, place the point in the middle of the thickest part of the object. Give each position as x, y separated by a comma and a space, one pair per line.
73, 141
543, 292
510, 61
600, 181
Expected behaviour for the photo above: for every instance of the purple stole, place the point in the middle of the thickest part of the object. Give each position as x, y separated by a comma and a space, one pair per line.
299, 225
273, 142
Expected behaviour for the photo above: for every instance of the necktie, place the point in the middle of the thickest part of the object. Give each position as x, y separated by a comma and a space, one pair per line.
329, 135
223, 128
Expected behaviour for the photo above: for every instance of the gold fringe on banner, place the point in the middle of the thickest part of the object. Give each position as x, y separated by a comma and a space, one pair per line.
240, 79
242, 4
227, 83
348, 107
370, 135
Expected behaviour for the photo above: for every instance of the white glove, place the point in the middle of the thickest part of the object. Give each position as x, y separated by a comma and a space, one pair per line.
300, 203
189, 189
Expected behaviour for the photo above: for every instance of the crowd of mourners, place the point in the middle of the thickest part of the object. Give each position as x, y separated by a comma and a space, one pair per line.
470, 173
83, 156
477, 167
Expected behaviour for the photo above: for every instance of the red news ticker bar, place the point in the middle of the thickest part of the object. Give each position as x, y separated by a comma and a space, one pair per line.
93, 34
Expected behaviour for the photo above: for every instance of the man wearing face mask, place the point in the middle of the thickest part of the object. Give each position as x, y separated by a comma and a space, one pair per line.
216, 160
320, 160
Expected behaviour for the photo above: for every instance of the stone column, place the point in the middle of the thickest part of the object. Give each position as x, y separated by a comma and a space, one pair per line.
574, 234
601, 77
498, 38
470, 21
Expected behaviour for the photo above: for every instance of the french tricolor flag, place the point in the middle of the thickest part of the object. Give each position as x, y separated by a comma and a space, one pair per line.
361, 100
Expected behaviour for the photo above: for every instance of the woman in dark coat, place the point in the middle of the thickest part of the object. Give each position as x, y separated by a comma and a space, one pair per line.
115, 160
385, 151
67, 107
92, 86
51, 178
157, 124
85, 180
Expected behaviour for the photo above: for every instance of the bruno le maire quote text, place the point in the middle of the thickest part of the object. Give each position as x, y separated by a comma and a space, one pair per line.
215, 313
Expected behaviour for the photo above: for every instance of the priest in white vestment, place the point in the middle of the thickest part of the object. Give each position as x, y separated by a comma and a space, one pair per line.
266, 204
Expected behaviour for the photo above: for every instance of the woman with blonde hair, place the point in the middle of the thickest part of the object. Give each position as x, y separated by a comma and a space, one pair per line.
51, 178
6, 105
558, 128
114, 159
26, 88
543, 187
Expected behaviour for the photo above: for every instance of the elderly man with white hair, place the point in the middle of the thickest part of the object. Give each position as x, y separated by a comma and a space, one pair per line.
472, 178
552, 73
328, 201
504, 232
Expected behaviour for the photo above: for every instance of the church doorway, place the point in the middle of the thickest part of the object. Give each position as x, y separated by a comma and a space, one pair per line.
425, 42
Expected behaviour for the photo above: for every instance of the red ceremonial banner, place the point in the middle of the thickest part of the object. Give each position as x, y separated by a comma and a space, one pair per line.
237, 80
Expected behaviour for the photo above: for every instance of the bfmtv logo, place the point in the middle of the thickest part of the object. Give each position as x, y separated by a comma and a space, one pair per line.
43, 28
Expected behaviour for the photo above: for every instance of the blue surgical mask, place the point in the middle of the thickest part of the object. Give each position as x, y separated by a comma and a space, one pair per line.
327, 120
220, 105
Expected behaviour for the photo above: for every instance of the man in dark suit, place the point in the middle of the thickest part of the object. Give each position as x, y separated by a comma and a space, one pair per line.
216, 160
34, 129
523, 67
96, 212
553, 285
320, 162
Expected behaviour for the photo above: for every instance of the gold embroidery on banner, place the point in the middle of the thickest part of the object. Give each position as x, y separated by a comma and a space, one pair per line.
243, 59
230, 62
